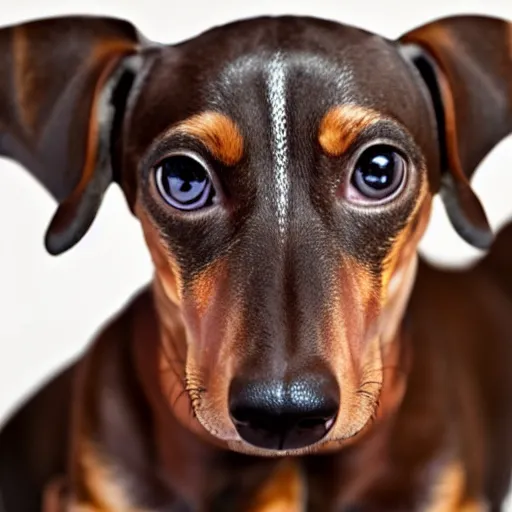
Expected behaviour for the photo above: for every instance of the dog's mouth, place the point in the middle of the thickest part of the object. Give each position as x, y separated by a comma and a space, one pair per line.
316, 437
286, 433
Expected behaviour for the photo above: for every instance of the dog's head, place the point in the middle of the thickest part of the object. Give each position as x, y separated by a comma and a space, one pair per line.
283, 171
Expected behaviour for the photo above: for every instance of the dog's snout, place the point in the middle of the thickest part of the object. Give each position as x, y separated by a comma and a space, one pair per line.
281, 415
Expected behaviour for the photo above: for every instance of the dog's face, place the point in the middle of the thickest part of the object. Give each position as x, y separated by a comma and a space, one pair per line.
282, 170
282, 197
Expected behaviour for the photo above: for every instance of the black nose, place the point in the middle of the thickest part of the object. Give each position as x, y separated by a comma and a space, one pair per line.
284, 415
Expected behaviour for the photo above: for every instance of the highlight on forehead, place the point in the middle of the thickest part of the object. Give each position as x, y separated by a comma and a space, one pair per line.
217, 132
341, 125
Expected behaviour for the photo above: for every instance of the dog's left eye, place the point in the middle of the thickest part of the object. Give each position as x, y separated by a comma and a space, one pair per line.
378, 174
184, 182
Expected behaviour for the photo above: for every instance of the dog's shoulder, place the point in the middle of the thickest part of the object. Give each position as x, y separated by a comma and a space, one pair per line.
34, 444
35, 440
498, 262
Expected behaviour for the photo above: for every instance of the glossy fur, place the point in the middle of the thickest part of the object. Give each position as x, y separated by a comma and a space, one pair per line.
283, 280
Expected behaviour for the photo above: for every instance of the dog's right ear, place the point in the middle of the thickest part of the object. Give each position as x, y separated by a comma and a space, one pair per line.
64, 84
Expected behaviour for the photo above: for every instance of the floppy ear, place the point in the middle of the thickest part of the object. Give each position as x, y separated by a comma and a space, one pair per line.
466, 63
63, 86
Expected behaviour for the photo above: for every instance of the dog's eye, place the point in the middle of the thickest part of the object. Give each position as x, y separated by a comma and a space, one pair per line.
184, 182
379, 173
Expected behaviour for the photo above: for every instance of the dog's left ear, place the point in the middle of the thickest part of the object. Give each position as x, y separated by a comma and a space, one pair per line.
466, 63
64, 84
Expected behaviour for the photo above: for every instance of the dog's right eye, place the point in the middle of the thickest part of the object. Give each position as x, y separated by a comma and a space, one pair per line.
184, 182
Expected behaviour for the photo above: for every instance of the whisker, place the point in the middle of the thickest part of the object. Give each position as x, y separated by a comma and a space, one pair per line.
365, 393
180, 394
368, 382
382, 369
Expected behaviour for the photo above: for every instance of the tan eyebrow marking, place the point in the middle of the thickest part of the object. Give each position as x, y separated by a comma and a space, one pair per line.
340, 126
217, 132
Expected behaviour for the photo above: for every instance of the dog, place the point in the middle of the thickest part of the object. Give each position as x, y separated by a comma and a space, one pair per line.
293, 352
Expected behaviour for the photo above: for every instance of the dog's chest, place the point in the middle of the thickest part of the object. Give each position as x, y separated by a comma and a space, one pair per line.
322, 483
291, 487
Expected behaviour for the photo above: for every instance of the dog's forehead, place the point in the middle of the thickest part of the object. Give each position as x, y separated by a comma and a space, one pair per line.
315, 63
317, 60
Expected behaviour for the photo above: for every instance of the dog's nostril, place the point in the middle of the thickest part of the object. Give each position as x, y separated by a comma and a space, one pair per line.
245, 416
312, 423
280, 416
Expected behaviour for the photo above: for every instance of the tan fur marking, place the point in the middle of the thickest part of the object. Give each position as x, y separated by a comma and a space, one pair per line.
54, 496
399, 272
217, 132
383, 303
67, 208
364, 287
442, 37
204, 285
448, 494
342, 124
406, 243
283, 492
450, 127
166, 268
101, 483
27, 92
92, 135
343, 335
111, 48
429, 34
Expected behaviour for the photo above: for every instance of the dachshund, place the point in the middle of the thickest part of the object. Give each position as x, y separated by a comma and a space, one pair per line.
293, 352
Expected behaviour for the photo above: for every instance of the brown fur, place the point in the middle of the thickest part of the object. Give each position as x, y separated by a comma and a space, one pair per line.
284, 288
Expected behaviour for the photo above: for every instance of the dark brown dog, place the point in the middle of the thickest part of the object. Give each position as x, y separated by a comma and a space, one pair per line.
282, 170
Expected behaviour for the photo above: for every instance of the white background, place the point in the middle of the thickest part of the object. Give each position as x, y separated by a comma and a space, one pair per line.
51, 307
